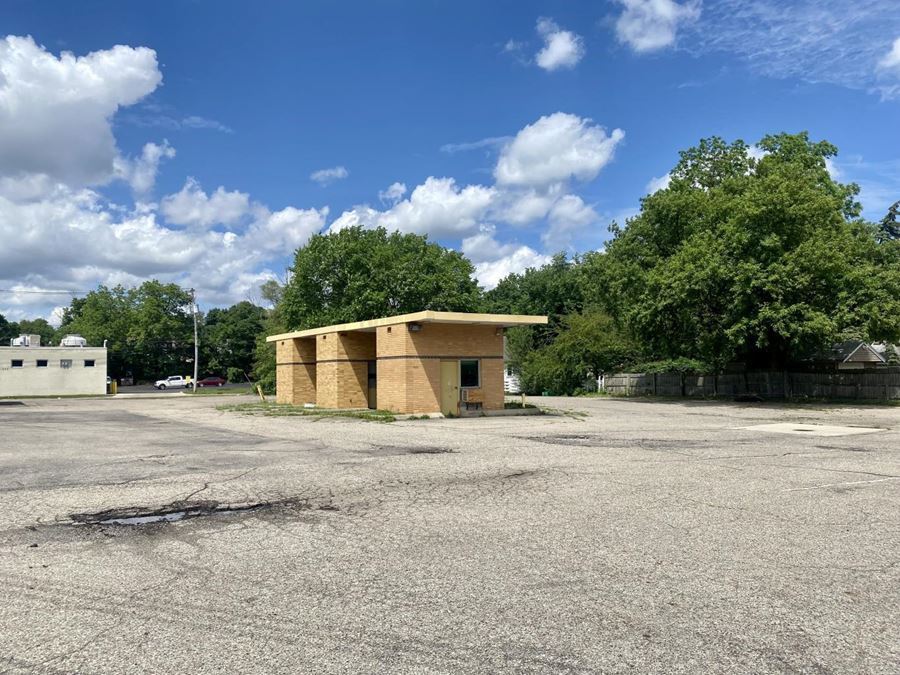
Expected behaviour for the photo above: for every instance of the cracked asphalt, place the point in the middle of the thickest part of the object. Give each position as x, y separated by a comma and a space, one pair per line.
621, 536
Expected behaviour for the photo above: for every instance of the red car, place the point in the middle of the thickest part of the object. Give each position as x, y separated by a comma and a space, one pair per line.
211, 382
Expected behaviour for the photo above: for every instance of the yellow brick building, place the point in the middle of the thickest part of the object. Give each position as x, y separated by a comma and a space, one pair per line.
426, 362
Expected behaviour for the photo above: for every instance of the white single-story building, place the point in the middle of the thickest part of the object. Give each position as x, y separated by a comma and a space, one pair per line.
32, 370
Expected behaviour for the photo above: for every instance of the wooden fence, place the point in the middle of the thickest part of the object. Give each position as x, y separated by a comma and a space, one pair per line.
882, 384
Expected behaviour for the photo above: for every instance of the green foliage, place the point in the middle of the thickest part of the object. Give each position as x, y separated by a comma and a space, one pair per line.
682, 365
236, 375
757, 261
8, 330
357, 274
37, 327
228, 339
148, 329
586, 345
555, 290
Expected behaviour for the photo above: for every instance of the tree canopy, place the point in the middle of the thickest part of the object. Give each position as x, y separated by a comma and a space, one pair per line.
760, 261
148, 329
357, 274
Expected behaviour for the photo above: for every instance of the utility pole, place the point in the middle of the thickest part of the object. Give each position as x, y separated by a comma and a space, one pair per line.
196, 350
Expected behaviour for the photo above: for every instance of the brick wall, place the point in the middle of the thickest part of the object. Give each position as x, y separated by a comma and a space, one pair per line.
295, 371
342, 369
413, 385
332, 370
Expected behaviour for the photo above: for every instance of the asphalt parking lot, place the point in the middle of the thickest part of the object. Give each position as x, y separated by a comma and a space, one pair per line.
618, 536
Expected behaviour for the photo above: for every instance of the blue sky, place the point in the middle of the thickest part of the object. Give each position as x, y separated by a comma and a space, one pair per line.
508, 129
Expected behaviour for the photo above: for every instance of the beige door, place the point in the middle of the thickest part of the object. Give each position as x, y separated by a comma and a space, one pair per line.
450, 387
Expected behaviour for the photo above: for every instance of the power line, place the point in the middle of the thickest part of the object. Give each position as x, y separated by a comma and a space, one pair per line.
17, 291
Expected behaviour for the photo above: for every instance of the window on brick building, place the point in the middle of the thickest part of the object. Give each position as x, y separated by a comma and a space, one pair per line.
469, 375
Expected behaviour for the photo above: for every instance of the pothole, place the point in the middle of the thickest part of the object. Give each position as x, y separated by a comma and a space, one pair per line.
178, 511
396, 450
566, 439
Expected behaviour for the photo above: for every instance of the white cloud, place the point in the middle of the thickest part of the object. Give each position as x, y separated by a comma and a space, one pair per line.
286, 230
554, 149
192, 206
520, 207
816, 41
657, 184
393, 194
328, 176
483, 247
490, 273
141, 172
490, 143
197, 122
562, 48
55, 111
891, 61
438, 207
650, 25
756, 152
74, 239
568, 218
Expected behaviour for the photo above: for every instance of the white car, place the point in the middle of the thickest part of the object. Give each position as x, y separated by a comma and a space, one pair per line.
173, 381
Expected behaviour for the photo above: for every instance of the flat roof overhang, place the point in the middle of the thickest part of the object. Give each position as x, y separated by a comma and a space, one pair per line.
500, 320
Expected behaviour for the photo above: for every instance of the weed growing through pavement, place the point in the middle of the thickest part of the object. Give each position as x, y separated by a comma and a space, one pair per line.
287, 410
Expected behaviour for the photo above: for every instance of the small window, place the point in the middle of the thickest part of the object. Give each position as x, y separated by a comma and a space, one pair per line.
65, 363
42, 363
16, 363
468, 374
89, 363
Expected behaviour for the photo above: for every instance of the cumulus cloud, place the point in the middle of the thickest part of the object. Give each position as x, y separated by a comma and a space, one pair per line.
58, 231
554, 149
568, 218
55, 111
562, 48
438, 207
141, 172
328, 176
657, 184
393, 194
650, 25
192, 206
490, 273
75, 239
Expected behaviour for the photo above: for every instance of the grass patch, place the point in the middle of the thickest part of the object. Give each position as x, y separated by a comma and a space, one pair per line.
517, 405
218, 391
287, 410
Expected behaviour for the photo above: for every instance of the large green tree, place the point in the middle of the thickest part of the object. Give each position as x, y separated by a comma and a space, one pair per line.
586, 344
357, 274
8, 330
37, 327
148, 329
762, 261
554, 289
228, 339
